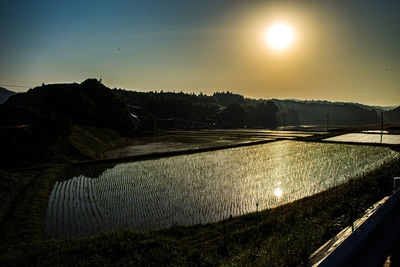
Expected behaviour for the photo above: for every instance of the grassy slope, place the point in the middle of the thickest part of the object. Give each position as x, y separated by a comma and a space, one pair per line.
283, 236
24, 191
92, 142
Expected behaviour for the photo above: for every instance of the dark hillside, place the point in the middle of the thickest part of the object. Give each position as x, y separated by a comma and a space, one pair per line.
39, 125
181, 110
315, 112
5, 94
229, 98
88, 103
229, 110
392, 116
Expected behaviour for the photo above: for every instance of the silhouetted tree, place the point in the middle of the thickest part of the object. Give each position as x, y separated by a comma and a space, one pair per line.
266, 112
233, 116
228, 98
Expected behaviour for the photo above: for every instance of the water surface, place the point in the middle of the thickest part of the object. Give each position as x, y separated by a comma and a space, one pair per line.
204, 187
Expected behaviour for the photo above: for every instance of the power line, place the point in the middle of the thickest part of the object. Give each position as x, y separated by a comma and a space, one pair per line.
17, 81
10, 85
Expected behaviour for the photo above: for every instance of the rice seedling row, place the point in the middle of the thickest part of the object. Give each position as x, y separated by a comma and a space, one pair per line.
204, 187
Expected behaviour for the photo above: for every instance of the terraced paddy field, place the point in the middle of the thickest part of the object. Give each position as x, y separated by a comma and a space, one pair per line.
204, 187
389, 139
198, 139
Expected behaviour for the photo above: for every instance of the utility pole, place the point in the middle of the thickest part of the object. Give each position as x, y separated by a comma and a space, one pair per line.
284, 121
327, 122
381, 125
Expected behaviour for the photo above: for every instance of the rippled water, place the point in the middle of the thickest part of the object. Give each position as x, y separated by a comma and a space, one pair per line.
203, 187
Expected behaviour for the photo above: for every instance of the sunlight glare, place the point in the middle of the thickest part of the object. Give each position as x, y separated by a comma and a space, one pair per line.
279, 36
278, 192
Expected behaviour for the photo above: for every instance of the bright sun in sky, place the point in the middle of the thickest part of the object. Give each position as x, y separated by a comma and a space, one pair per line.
279, 36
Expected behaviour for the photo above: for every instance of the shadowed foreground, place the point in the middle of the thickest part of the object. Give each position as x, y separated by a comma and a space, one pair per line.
283, 236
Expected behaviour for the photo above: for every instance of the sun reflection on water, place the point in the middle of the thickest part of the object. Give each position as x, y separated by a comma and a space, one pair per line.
278, 193
183, 189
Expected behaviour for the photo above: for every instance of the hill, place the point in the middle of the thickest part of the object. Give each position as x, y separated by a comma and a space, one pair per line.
61, 122
182, 110
392, 116
88, 103
5, 94
229, 110
316, 112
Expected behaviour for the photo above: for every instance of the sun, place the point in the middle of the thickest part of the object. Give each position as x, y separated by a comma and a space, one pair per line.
279, 36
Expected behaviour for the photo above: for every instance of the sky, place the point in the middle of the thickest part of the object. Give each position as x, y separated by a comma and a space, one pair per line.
343, 50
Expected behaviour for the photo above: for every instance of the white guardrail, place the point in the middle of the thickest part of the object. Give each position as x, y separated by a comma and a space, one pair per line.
371, 243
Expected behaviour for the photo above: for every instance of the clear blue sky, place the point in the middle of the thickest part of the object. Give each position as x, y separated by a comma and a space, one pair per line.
343, 50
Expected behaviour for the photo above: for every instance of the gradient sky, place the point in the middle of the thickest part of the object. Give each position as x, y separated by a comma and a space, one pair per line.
344, 50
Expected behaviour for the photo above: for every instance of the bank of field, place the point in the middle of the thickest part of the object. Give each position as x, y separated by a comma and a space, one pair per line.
204, 187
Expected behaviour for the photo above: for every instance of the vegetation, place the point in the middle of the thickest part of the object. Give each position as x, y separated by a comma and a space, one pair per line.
88, 103
63, 122
282, 236
392, 116
223, 110
26, 146
4, 94
205, 111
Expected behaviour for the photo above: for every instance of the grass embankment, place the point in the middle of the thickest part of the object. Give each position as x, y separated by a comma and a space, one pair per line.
90, 142
24, 195
24, 191
32, 146
283, 236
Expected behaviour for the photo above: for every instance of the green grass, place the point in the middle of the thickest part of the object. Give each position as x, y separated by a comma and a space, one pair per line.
24, 210
24, 191
282, 236
91, 142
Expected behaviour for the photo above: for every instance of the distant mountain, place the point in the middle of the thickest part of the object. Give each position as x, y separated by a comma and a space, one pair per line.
392, 116
340, 113
317, 112
5, 94
385, 108
226, 109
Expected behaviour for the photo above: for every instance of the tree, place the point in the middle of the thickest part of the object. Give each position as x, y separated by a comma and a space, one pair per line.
266, 112
233, 116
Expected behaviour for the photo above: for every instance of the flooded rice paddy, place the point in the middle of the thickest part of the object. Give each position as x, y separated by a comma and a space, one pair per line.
204, 187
